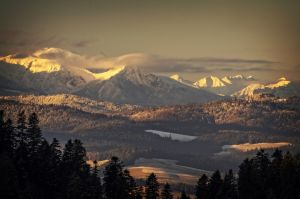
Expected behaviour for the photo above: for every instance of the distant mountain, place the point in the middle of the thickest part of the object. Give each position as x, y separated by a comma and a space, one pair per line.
178, 78
209, 82
225, 86
281, 88
47, 71
51, 71
135, 87
22, 80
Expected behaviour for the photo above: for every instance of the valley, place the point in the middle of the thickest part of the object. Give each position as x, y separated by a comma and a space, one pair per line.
194, 135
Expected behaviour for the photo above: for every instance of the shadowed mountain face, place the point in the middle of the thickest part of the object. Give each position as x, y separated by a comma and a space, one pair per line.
134, 87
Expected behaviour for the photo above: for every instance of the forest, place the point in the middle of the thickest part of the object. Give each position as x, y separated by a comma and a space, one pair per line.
31, 168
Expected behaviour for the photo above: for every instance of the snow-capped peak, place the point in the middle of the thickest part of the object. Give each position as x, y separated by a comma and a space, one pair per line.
282, 79
107, 74
281, 82
237, 77
134, 74
249, 90
33, 63
273, 88
211, 81
176, 77
226, 80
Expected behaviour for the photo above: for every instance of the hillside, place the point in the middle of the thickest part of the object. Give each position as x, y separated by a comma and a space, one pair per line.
261, 114
271, 114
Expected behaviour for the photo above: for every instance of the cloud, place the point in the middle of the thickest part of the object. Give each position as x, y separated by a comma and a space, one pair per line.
13, 41
247, 69
297, 67
158, 64
82, 44
148, 63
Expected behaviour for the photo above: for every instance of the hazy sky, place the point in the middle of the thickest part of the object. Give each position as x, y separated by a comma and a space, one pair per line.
194, 38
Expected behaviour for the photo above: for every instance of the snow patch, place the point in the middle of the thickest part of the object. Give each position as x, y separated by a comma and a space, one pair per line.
173, 136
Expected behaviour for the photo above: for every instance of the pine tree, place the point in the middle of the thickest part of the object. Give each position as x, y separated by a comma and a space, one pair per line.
94, 184
274, 177
21, 157
79, 154
214, 185
139, 193
34, 135
3, 133
261, 165
113, 180
74, 156
183, 195
8, 178
246, 180
6, 135
289, 174
129, 185
201, 190
21, 127
229, 188
56, 153
11, 136
152, 187
74, 171
167, 192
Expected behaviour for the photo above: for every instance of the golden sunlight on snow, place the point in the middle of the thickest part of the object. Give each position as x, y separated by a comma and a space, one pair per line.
251, 147
281, 82
34, 64
108, 74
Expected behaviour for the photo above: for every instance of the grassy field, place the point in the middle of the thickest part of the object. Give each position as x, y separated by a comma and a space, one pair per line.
166, 171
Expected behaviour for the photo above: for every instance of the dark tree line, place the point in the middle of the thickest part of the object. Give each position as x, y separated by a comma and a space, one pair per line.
33, 168
263, 177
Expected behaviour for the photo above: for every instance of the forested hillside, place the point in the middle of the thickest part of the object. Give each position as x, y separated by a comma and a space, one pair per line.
270, 114
31, 167
108, 129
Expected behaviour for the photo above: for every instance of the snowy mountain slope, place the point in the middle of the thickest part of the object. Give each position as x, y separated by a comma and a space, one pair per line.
249, 90
51, 60
178, 78
281, 88
134, 87
224, 86
209, 82
41, 82
48, 70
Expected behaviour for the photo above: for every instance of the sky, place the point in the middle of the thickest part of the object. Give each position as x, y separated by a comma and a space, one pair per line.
192, 38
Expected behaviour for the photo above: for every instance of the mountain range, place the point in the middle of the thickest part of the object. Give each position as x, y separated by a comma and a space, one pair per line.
243, 87
57, 71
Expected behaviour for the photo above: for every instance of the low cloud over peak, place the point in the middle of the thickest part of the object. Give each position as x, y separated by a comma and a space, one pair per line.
155, 63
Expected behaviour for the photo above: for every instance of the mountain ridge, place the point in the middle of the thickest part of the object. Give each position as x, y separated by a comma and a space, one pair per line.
133, 86
56, 71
